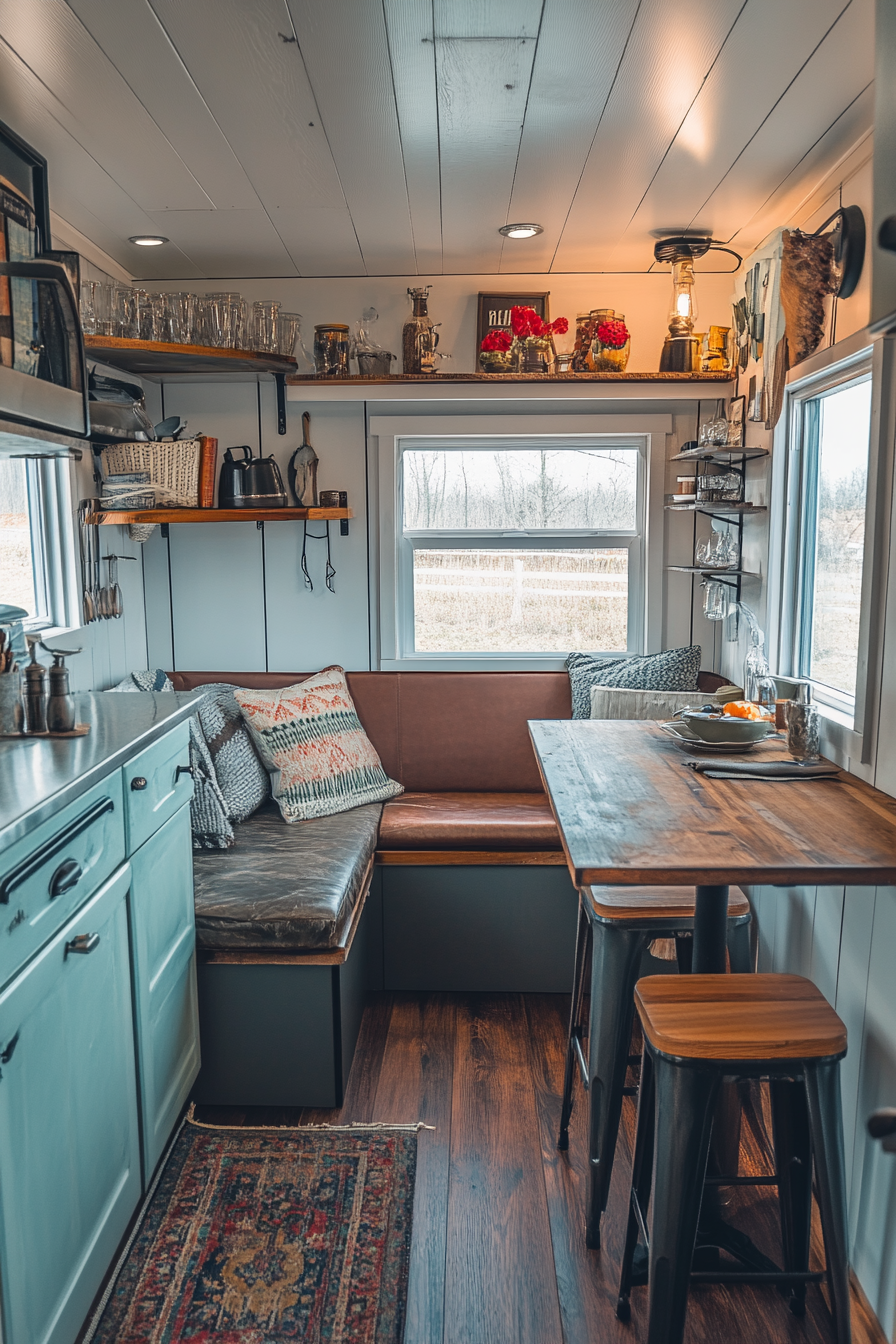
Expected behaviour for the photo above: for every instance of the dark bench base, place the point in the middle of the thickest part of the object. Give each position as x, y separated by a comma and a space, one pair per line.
281, 1030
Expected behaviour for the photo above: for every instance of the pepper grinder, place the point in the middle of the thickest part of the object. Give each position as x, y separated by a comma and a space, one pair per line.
802, 726
35, 692
61, 702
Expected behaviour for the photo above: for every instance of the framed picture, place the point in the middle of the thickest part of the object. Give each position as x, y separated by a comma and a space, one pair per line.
494, 312
736, 414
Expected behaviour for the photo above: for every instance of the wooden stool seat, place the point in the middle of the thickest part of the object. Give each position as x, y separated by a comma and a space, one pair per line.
655, 902
738, 1017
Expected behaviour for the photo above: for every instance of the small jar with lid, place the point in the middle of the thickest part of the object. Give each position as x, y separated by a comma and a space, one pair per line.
331, 350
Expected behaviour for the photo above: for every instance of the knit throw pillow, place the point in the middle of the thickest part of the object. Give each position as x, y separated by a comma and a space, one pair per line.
672, 670
241, 776
310, 738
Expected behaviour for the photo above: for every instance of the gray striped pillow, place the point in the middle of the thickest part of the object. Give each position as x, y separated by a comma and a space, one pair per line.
671, 670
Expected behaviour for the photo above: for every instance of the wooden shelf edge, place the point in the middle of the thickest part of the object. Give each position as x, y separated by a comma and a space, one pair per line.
160, 357
716, 507
396, 379
713, 454
123, 517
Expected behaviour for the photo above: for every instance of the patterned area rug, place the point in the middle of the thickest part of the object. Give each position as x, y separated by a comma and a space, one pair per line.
263, 1236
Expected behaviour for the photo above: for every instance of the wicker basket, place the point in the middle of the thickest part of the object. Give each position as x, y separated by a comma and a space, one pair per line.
173, 466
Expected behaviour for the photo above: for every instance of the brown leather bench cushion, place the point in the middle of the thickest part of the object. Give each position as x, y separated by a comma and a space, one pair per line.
468, 821
284, 888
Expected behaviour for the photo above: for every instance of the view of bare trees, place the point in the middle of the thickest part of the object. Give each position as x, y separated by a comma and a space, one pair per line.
840, 541
521, 489
16, 578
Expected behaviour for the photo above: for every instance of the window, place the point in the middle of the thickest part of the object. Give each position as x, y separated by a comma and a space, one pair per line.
36, 563
828, 491
519, 547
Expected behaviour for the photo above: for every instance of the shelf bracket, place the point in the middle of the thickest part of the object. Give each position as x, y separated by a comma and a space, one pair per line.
164, 527
280, 380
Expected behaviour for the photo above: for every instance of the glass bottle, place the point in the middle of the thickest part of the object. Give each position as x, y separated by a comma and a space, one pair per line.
419, 337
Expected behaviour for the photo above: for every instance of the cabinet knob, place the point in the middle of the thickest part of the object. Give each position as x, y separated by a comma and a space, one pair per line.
84, 943
138, 783
183, 770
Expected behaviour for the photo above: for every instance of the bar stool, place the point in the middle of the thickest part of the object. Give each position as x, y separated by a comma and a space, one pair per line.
697, 1030
616, 924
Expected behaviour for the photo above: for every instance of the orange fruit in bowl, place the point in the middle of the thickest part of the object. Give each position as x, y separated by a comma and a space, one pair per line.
744, 709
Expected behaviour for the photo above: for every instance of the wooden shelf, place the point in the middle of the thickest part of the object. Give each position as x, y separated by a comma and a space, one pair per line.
119, 517
719, 454
399, 379
716, 507
157, 358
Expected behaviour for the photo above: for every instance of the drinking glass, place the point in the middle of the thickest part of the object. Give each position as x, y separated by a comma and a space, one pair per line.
703, 550
124, 315
715, 601
104, 309
242, 325
142, 301
289, 331
158, 316
202, 320
88, 312
266, 325
179, 306
802, 732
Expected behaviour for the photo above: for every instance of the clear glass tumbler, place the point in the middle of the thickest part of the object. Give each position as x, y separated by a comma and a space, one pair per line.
180, 306
142, 301
104, 309
88, 312
124, 315
266, 325
290, 330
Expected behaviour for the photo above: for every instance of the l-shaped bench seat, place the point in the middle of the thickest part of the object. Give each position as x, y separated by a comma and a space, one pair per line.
460, 883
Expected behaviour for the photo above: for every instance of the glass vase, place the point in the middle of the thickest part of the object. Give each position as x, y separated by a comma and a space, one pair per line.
609, 358
537, 354
495, 361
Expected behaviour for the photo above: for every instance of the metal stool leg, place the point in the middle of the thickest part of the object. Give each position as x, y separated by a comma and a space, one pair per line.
685, 1098
642, 1174
615, 959
793, 1162
825, 1114
576, 1023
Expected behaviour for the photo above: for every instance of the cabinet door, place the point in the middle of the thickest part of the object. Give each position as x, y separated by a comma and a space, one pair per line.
69, 1134
163, 944
157, 783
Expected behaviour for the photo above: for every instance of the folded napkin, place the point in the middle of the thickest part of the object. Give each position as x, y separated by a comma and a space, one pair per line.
788, 770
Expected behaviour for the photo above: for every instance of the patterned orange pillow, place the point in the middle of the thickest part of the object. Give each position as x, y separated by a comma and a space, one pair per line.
310, 738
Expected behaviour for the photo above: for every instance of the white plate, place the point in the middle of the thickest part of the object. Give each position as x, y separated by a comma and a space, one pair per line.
683, 737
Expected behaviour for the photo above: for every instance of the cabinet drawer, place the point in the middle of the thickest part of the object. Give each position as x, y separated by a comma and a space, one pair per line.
45, 876
153, 789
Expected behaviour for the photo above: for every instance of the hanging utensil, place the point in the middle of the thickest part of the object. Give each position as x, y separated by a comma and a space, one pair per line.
84, 543
115, 599
303, 469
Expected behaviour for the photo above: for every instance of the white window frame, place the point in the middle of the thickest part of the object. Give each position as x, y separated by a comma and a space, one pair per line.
848, 729
392, 550
50, 510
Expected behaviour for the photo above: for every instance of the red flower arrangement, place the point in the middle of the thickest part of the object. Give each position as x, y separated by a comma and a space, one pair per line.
498, 340
613, 333
525, 322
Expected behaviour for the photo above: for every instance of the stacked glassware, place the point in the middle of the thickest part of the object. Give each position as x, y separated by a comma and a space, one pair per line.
223, 319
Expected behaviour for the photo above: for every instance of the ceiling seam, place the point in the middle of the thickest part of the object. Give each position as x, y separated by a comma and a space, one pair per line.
550, 269
783, 93
404, 167
772, 193
722, 47
519, 148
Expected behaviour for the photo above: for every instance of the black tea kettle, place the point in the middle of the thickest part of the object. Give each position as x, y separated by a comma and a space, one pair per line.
250, 482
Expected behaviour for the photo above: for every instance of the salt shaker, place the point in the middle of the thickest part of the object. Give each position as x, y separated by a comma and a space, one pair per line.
802, 726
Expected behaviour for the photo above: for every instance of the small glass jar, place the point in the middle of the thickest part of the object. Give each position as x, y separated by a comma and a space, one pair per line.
608, 358
331, 350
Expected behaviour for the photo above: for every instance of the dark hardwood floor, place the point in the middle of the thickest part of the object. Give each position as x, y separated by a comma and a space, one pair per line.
498, 1253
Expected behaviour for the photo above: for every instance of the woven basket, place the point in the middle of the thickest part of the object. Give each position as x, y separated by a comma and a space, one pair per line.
173, 467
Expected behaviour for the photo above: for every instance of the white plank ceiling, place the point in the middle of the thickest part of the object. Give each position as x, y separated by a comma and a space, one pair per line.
394, 137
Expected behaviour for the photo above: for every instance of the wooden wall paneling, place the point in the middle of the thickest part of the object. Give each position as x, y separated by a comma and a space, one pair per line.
345, 47
410, 34
580, 45
83, 87
852, 985
217, 579
873, 1220
826, 933
415, 1083
81, 190
500, 1282
484, 56
728, 110
668, 55
818, 98
133, 39
258, 92
313, 629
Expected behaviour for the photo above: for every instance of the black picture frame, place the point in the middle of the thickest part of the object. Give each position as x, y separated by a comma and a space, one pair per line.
736, 417
493, 313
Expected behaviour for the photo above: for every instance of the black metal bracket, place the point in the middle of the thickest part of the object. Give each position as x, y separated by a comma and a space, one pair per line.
164, 527
280, 380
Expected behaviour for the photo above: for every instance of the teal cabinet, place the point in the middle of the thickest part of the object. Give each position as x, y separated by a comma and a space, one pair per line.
163, 950
69, 1132
157, 783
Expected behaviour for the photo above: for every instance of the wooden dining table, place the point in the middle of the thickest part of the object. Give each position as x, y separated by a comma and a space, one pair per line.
632, 812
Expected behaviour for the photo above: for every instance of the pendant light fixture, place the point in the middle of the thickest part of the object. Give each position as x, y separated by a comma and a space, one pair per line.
681, 352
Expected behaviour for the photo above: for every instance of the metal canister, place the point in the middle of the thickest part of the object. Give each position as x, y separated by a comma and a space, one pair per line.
61, 702
35, 693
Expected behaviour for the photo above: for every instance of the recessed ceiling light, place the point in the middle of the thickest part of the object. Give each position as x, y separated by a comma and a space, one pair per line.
148, 240
521, 230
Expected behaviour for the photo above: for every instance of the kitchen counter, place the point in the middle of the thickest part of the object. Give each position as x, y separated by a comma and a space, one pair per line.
38, 776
